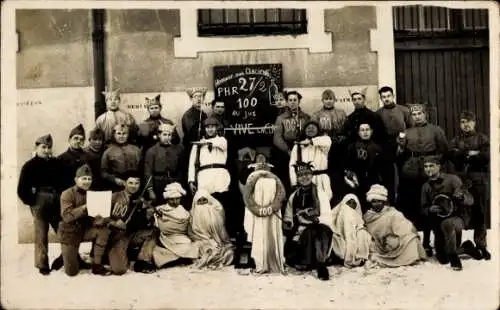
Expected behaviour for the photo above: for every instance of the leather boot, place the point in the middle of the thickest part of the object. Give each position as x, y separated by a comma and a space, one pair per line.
455, 262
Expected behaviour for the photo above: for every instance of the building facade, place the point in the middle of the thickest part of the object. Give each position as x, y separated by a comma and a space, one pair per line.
64, 60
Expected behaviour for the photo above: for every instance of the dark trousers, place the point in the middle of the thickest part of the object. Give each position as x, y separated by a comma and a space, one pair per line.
479, 210
120, 242
311, 250
233, 220
45, 213
448, 235
70, 246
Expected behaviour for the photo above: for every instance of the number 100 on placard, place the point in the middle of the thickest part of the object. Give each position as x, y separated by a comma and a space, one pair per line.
245, 103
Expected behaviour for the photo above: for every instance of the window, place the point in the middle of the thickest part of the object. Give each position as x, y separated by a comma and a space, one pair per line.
421, 18
417, 18
234, 22
475, 19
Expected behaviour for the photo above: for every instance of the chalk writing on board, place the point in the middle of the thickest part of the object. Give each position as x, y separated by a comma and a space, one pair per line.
248, 92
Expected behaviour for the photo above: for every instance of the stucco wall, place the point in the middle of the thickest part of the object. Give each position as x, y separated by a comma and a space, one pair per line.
152, 66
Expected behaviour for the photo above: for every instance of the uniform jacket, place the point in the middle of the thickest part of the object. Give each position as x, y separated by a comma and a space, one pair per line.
396, 119
330, 121
166, 164
190, 125
93, 159
122, 206
466, 142
75, 219
36, 173
118, 160
70, 161
149, 128
285, 131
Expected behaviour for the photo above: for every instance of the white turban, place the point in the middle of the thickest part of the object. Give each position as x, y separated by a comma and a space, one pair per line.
173, 190
378, 192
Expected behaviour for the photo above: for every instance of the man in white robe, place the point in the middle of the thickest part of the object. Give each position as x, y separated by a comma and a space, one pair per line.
314, 149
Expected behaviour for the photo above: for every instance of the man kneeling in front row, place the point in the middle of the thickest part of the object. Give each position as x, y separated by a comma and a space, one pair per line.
132, 227
77, 226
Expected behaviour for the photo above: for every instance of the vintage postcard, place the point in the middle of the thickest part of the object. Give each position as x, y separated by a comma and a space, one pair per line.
250, 154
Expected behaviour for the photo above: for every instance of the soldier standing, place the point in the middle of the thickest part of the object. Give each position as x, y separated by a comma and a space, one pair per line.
120, 158
470, 155
193, 119
114, 115
73, 158
148, 130
93, 153
39, 188
286, 131
218, 112
164, 164
424, 139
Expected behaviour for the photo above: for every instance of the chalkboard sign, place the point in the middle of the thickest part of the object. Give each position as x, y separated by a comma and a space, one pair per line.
248, 94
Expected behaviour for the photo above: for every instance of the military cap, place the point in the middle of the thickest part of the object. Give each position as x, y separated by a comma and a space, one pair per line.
302, 168
211, 121
47, 140
468, 115
84, 171
96, 134
78, 130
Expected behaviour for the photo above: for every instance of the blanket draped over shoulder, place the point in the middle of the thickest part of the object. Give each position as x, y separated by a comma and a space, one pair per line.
395, 239
350, 240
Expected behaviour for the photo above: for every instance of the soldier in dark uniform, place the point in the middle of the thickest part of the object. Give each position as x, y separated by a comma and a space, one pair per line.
470, 156
73, 158
39, 187
132, 226
93, 157
447, 224
148, 130
120, 158
288, 127
422, 140
163, 164
366, 160
362, 114
193, 119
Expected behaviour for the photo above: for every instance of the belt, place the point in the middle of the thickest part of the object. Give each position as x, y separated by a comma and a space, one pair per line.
318, 172
213, 166
421, 154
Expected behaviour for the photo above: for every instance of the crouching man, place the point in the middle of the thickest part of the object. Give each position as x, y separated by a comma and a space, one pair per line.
132, 227
307, 215
77, 226
446, 204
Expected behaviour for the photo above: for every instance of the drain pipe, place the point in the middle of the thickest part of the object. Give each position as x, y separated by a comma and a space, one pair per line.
98, 47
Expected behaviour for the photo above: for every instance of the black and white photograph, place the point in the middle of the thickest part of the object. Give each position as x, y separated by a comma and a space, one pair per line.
250, 154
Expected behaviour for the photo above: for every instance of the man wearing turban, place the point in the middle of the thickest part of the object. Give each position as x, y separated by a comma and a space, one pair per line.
395, 239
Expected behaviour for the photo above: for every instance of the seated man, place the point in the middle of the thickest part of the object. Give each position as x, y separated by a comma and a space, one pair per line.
445, 204
77, 226
174, 246
131, 224
307, 215
395, 239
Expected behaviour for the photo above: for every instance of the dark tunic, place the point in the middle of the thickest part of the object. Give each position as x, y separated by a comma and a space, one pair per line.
75, 219
38, 173
149, 129
474, 171
371, 165
117, 161
164, 164
190, 125
70, 161
365, 115
93, 159
125, 207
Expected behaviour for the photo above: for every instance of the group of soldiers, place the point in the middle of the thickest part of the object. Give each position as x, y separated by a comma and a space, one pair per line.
395, 148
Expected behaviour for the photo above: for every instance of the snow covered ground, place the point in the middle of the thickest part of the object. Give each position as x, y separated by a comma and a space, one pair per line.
426, 286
